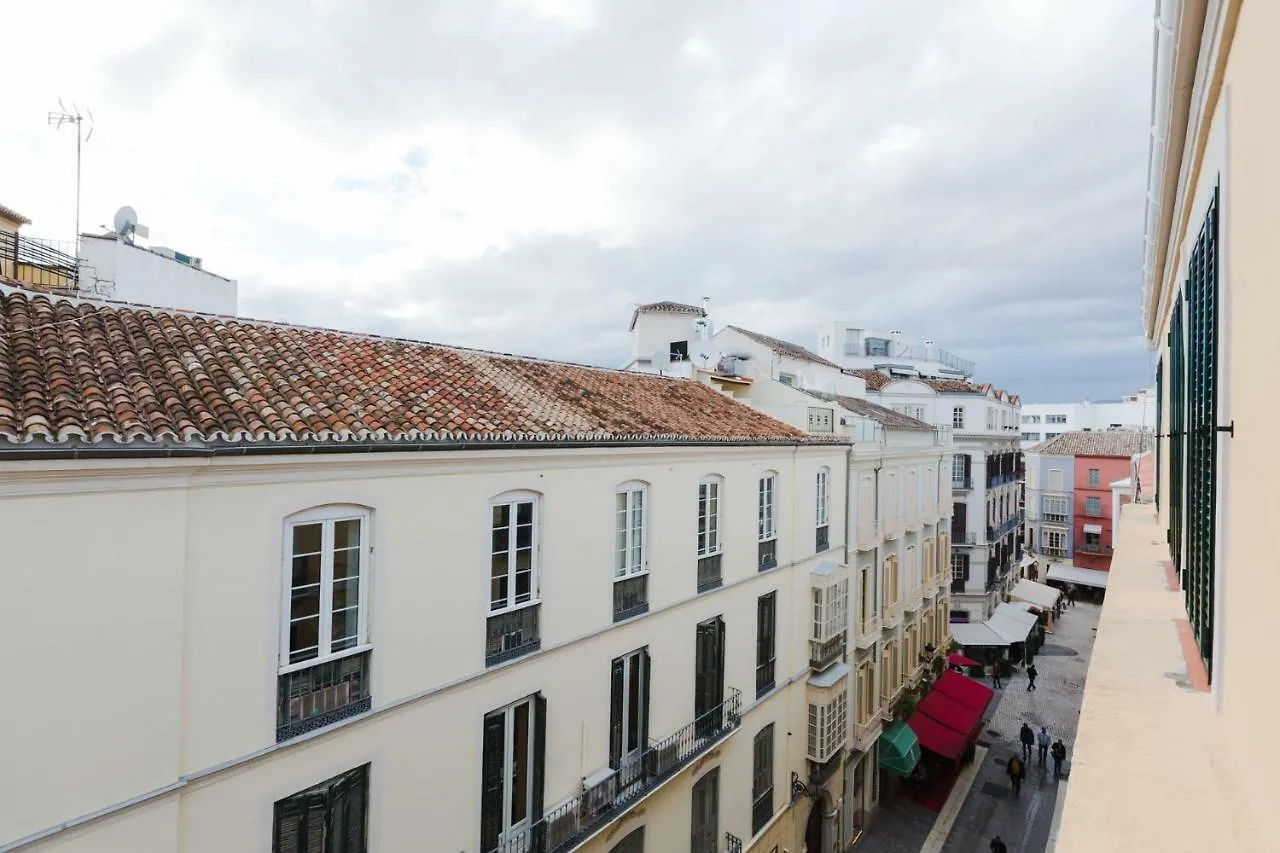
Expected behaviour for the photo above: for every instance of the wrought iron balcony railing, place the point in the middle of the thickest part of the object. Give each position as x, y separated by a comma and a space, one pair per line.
821, 539
1053, 551
511, 635
630, 597
767, 554
709, 576
1093, 548
312, 698
961, 484
569, 824
765, 680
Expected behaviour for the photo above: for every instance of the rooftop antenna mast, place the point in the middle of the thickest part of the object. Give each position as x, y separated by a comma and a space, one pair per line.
63, 116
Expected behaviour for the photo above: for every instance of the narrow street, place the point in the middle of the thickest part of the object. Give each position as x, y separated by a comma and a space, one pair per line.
989, 807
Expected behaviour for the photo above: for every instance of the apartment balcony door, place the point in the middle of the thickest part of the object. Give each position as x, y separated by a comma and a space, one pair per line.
708, 681
629, 715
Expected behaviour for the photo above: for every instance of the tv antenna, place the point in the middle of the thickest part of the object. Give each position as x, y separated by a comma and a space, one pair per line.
63, 116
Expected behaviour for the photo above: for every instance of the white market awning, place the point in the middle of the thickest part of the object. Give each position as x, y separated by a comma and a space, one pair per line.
1011, 623
1027, 560
975, 634
1041, 595
1093, 528
1074, 574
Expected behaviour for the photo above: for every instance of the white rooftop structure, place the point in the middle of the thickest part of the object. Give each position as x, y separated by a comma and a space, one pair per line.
856, 347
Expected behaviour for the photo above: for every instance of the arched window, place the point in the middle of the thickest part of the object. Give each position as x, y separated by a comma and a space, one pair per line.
326, 576
513, 560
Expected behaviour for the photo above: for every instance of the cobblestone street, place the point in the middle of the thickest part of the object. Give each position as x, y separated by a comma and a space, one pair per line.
989, 808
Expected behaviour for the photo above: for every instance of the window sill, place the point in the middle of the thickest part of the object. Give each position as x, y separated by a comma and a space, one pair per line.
524, 605
709, 585
310, 662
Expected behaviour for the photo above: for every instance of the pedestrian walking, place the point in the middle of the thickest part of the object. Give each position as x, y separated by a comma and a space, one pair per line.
1042, 741
998, 846
995, 676
1031, 677
1017, 772
1028, 738
1059, 755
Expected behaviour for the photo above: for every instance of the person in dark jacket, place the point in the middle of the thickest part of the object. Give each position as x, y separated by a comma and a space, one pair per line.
1028, 738
1059, 753
1031, 677
995, 675
998, 846
1017, 772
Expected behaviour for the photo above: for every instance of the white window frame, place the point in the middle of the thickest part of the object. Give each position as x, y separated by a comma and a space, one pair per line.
767, 507
327, 517
958, 572
957, 417
512, 499
710, 488
957, 469
1056, 539
634, 497
1093, 506
1056, 480
510, 830
822, 496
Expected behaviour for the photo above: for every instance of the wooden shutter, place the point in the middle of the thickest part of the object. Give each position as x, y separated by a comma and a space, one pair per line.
491, 780
1177, 381
644, 716
615, 713
299, 824
538, 779
347, 807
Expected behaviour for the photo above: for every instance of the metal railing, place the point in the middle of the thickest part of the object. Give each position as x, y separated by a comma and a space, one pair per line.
567, 825
966, 537
38, 262
821, 539
1054, 517
957, 584
765, 677
994, 534
961, 484
767, 554
312, 698
823, 653
732, 843
709, 576
630, 597
1053, 552
511, 635
1093, 548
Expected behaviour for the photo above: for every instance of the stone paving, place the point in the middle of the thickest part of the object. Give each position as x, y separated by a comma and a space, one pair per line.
990, 808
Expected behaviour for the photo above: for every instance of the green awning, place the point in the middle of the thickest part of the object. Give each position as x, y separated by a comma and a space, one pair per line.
899, 748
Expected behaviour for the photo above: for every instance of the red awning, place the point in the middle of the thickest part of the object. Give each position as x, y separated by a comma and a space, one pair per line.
964, 690
958, 717
936, 737
957, 659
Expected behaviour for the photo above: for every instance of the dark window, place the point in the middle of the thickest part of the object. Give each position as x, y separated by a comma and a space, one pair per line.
705, 826
877, 346
511, 774
633, 843
628, 708
708, 678
766, 642
762, 779
821, 539
630, 597
767, 552
329, 818
679, 350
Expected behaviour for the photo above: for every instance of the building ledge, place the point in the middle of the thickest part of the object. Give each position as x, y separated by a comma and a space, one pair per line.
1151, 767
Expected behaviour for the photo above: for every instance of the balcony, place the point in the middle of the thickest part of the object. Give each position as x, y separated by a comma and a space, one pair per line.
957, 585
868, 536
962, 484
869, 631
821, 539
709, 576
966, 537
511, 635
865, 733
823, 653
1054, 518
1093, 548
630, 598
892, 615
767, 555
575, 821
1053, 552
995, 534
43, 263
765, 680
1099, 512
320, 695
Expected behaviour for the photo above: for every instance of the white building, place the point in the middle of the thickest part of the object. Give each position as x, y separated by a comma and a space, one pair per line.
292, 589
1045, 421
855, 347
118, 269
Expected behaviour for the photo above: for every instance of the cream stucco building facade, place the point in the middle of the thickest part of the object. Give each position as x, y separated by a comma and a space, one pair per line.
1178, 708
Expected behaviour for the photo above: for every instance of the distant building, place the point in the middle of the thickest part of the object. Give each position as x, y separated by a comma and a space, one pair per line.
1045, 421
123, 271
855, 347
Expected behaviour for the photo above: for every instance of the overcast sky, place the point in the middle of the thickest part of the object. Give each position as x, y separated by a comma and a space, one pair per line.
517, 174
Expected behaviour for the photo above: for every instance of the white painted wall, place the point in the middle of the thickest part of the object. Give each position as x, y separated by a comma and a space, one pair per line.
1136, 413
150, 636
128, 273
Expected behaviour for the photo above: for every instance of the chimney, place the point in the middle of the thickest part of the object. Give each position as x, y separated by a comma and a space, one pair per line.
706, 305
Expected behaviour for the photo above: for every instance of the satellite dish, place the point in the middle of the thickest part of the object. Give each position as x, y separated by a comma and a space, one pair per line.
126, 223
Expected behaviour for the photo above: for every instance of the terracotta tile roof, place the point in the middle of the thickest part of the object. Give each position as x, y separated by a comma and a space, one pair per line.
883, 414
1112, 442
877, 380
75, 372
13, 216
786, 348
665, 308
